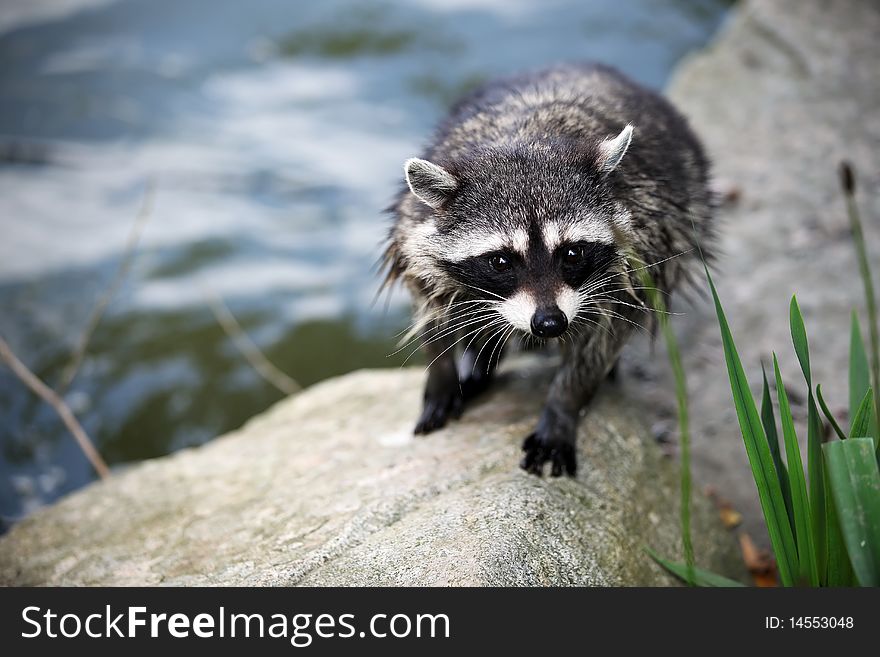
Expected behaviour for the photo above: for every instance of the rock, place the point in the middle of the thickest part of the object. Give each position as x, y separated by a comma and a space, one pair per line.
787, 90
331, 488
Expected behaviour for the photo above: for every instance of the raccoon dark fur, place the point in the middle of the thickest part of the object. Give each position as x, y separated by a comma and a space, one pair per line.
536, 210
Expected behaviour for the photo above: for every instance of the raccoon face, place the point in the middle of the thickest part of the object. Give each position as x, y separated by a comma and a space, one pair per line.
531, 233
538, 289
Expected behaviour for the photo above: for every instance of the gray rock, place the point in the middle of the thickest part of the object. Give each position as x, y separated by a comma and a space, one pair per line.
330, 487
787, 90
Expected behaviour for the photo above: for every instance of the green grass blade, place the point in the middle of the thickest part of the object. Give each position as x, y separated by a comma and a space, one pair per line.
849, 181
816, 483
769, 422
701, 577
863, 422
859, 374
657, 302
839, 571
809, 571
684, 441
760, 460
829, 414
855, 487
815, 462
799, 339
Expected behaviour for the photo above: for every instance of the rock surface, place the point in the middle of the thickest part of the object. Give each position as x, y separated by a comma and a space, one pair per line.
787, 90
331, 488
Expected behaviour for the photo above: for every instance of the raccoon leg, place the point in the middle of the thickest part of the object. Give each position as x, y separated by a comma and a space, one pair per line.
478, 365
614, 372
575, 383
443, 399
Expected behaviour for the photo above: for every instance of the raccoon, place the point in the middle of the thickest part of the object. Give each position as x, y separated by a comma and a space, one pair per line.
534, 212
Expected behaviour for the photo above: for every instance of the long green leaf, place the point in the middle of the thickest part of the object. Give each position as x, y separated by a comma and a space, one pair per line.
701, 577
855, 222
855, 487
681, 396
828, 414
809, 571
839, 572
799, 339
814, 438
859, 374
863, 421
760, 460
769, 422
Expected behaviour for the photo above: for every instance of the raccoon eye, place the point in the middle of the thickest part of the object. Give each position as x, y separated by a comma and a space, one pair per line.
499, 263
573, 255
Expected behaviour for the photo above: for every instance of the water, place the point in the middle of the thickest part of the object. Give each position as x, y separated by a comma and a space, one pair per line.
274, 132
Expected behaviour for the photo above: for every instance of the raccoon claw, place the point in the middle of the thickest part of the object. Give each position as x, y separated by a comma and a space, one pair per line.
438, 410
538, 452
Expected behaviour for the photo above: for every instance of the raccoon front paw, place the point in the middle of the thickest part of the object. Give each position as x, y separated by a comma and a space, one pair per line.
540, 448
438, 410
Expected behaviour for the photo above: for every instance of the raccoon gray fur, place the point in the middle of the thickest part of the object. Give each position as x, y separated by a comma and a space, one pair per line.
535, 211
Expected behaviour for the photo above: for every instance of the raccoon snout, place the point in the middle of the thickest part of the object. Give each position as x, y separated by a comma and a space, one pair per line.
549, 322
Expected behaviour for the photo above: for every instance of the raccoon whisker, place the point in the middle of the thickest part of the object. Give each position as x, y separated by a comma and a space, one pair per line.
488, 341
461, 339
635, 287
451, 330
658, 262
444, 321
595, 323
614, 274
499, 321
464, 323
605, 312
608, 313
565, 338
506, 333
445, 329
479, 289
414, 332
578, 331
645, 308
601, 307
504, 344
468, 346
444, 312
606, 293
466, 302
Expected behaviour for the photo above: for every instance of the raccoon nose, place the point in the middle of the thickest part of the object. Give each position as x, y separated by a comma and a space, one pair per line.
549, 323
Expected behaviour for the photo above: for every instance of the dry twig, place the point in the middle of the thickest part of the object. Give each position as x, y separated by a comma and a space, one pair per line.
43, 391
248, 349
137, 229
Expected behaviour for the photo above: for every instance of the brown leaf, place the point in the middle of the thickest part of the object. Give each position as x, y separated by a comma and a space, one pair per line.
729, 516
759, 562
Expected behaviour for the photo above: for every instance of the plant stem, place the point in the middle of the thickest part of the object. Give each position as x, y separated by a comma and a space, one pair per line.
262, 365
849, 188
46, 393
79, 352
659, 306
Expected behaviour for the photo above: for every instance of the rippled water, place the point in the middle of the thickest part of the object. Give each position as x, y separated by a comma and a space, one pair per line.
275, 133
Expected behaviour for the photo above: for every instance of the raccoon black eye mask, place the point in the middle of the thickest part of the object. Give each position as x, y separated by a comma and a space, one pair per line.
525, 216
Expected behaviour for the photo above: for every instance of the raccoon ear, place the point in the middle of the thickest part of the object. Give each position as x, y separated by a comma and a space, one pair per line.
611, 151
432, 184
